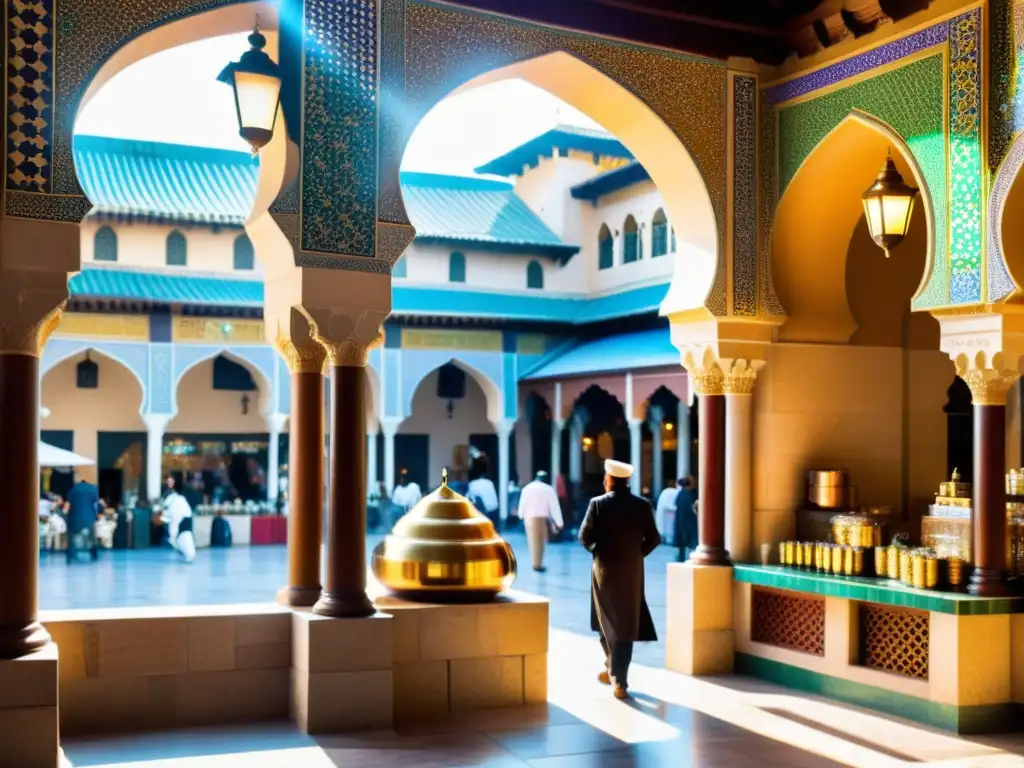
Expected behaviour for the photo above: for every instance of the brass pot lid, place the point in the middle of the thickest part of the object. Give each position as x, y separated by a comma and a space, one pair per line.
444, 545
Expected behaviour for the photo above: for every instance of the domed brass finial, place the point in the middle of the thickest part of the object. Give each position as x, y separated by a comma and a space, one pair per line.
444, 477
956, 475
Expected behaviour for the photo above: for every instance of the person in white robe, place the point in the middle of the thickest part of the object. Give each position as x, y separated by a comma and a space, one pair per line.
179, 525
665, 512
541, 514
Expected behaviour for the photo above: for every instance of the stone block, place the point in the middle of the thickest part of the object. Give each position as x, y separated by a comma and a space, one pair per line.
29, 737
969, 659
263, 629
405, 633
211, 644
214, 698
264, 656
342, 702
420, 689
700, 639
138, 647
321, 644
521, 626
486, 682
117, 704
456, 632
29, 681
70, 639
535, 678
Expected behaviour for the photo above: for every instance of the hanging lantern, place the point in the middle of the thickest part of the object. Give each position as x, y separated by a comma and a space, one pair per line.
888, 204
256, 81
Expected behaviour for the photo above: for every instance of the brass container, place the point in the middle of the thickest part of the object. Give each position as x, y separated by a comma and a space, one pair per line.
858, 561
837, 560
881, 562
892, 563
856, 531
931, 572
782, 553
826, 488
808, 554
819, 556
826, 558
848, 561
905, 571
444, 549
789, 550
956, 571
798, 554
918, 570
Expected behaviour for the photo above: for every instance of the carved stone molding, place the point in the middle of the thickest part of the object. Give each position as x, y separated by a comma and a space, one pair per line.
740, 375
989, 386
24, 337
301, 358
346, 338
392, 241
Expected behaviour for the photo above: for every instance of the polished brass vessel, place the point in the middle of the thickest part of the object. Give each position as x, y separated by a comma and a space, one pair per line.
444, 550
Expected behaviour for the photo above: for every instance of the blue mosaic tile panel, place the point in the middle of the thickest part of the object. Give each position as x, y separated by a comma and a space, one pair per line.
30, 95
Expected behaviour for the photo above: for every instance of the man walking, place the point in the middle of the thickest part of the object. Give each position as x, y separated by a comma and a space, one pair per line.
619, 531
83, 506
540, 511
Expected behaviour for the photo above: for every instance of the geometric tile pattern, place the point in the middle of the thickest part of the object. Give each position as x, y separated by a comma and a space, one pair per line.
788, 621
447, 47
894, 640
744, 196
390, 207
1000, 284
965, 172
767, 199
339, 128
29, 94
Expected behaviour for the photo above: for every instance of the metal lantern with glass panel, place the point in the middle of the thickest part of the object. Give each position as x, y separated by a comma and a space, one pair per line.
888, 204
256, 81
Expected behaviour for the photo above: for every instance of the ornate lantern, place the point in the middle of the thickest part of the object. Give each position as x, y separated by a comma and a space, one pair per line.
888, 204
256, 81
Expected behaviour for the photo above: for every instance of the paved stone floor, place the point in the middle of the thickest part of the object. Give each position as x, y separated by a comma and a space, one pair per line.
125, 578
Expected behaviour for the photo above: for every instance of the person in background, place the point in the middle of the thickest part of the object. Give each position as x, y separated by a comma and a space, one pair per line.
179, 525
619, 531
405, 496
685, 527
540, 512
83, 506
564, 501
484, 495
665, 511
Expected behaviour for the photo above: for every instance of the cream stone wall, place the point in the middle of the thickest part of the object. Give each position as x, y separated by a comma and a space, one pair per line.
429, 418
545, 188
202, 409
489, 270
113, 407
145, 245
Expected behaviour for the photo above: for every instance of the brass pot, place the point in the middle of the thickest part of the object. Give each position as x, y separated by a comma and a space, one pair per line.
826, 488
956, 571
444, 549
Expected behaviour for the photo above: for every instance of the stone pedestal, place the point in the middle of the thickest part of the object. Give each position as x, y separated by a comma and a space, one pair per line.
700, 639
29, 732
341, 677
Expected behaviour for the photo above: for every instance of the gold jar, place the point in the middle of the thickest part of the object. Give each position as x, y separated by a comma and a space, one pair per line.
819, 555
798, 554
905, 570
848, 561
881, 562
808, 554
837, 560
858, 561
917, 570
931, 572
790, 555
955, 571
782, 553
826, 558
892, 562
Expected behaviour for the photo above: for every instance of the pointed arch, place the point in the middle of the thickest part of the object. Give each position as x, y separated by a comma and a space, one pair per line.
631, 248
605, 248
659, 234
492, 390
74, 350
104, 244
263, 382
534, 275
177, 250
244, 257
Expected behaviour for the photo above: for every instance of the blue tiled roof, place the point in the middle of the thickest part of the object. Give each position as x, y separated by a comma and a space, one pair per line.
478, 212
628, 351
561, 137
138, 285
610, 181
166, 182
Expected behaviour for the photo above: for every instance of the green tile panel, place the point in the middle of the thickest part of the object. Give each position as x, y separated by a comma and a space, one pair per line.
872, 590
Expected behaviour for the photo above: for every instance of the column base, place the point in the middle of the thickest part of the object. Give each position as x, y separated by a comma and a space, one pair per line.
29, 730
298, 597
700, 637
988, 583
21, 641
705, 555
338, 606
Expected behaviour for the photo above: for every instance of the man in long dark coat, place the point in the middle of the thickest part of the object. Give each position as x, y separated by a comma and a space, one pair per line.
83, 506
620, 531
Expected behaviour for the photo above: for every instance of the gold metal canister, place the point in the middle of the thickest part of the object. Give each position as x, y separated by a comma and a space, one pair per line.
858, 561
931, 572
826, 557
837, 560
881, 562
819, 555
782, 553
798, 554
788, 558
808, 554
848, 561
917, 570
905, 572
892, 563
955, 571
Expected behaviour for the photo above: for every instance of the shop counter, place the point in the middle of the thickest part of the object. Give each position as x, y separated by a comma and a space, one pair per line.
942, 658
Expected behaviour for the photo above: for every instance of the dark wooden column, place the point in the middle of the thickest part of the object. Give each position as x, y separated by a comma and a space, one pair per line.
344, 592
709, 385
305, 478
989, 523
20, 630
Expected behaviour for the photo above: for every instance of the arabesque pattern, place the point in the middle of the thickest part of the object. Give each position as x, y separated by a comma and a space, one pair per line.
894, 640
29, 95
788, 620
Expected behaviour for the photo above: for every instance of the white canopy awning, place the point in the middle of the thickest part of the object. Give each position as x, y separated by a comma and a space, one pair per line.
52, 456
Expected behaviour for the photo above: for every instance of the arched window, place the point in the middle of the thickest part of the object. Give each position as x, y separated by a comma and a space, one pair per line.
400, 269
105, 245
605, 248
659, 234
673, 246
177, 250
534, 275
456, 268
630, 241
245, 257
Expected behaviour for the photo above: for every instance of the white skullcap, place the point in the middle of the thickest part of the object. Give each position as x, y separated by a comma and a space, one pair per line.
618, 469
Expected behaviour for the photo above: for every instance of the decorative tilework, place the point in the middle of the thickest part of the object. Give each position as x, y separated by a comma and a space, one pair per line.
161, 363
1000, 284
769, 303
29, 205
390, 207
909, 100
856, 65
788, 620
445, 48
339, 131
965, 192
288, 200
1006, 86
894, 640
744, 196
29, 94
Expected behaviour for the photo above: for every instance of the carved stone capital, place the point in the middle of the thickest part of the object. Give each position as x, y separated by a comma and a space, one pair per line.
347, 339
301, 358
989, 386
712, 375
709, 380
740, 376
22, 336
